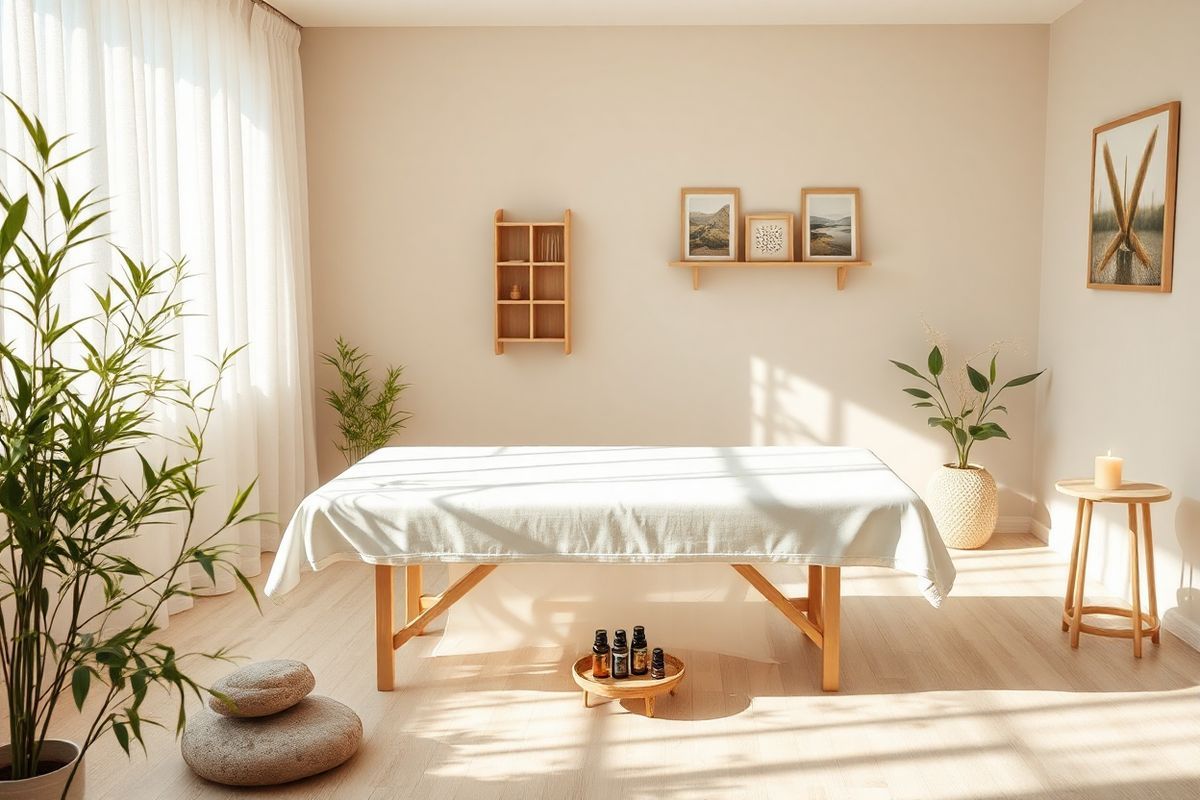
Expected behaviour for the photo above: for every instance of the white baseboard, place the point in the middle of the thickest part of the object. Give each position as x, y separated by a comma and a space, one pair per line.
1013, 525
1039, 530
1181, 626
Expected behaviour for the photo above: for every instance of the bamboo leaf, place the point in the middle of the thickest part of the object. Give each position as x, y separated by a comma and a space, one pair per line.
81, 680
122, 735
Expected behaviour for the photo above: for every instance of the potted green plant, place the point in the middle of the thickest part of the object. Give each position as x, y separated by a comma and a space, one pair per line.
962, 495
367, 415
82, 474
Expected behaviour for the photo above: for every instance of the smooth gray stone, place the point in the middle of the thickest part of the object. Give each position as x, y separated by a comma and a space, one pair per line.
266, 687
315, 735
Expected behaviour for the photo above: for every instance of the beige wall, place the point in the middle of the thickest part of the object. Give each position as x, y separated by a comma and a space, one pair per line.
415, 136
1124, 364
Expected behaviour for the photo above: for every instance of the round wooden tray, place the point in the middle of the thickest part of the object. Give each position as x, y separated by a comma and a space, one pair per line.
632, 688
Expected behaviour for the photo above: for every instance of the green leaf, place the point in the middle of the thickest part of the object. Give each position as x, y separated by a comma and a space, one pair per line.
1024, 379
122, 735
960, 436
240, 501
992, 369
924, 404
81, 680
14, 221
978, 380
245, 582
936, 362
940, 422
921, 393
988, 430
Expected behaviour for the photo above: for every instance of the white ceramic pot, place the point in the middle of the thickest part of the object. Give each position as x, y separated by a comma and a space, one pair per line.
964, 505
48, 786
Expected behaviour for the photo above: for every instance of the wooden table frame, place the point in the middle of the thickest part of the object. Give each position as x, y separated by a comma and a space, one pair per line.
818, 615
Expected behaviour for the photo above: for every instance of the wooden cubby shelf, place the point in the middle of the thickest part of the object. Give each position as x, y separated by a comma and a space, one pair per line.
535, 259
843, 267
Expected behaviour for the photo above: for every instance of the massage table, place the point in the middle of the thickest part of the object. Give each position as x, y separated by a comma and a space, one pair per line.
820, 507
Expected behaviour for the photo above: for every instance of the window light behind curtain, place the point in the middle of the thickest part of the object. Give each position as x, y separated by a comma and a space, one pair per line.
194, 109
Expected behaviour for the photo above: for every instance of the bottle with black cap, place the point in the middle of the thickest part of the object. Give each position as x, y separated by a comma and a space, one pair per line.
658, 664
620, 655
600, 655
639, 656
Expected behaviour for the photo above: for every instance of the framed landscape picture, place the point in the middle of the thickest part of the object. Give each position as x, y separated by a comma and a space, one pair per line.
831, 224
1131, 234
709, 222
769, 237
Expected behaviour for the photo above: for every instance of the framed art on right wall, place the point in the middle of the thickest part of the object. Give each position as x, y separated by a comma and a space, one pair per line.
1131, 231
830, 224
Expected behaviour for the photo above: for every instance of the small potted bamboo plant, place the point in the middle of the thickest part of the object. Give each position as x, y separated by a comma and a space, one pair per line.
367, 415
961, 495
82, 475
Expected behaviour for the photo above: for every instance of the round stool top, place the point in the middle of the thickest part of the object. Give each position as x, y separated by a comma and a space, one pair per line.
1086, 489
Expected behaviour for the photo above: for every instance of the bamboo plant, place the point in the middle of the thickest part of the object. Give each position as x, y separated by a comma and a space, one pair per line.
367, 415
968, 421
82, 472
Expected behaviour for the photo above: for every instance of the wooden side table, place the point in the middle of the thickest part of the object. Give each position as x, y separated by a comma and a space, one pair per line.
1133, 495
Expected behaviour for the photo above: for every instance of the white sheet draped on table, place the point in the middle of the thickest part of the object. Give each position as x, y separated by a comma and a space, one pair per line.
194, 111
616, 505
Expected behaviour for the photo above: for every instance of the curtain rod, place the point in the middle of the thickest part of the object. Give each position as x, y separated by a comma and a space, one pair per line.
277, 11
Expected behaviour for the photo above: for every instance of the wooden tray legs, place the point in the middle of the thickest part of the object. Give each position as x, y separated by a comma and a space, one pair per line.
818, 616
420, 610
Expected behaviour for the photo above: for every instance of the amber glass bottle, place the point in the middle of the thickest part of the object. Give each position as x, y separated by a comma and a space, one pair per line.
658, 665
620, 655
600, 655
639, 656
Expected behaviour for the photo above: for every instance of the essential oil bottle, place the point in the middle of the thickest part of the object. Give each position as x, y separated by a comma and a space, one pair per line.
639, 656
658, 664
601, 656
620, 655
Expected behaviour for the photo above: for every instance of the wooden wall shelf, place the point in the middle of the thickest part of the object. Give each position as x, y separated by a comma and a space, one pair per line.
843, 267
535, 257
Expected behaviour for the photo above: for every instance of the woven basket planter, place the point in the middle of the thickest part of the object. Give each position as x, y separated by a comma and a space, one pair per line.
964, 505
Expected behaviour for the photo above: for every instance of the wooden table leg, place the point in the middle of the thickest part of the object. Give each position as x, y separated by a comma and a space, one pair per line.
814, 594
412, 592
831, 613
1135, 588
1148, 534
1074, 565
1081, 576
385, 654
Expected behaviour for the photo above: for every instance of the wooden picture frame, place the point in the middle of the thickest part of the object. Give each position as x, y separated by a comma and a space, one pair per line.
1131, 226
834, 242
714, 237
769, 237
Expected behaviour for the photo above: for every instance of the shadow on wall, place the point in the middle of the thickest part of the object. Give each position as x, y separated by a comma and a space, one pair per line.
787, 408
1187, 530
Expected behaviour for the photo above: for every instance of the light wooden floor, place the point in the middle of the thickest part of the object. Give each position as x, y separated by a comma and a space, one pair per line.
981, 699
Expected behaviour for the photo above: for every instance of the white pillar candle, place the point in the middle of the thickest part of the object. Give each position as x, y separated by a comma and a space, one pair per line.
1108, 472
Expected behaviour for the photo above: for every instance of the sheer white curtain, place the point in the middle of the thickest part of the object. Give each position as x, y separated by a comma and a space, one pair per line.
194, 109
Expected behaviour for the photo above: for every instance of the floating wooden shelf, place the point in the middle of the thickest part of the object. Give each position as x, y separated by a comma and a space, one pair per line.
535, 257
843, 267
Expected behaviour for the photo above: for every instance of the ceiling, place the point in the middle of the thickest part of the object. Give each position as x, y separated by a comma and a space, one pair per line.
371, 13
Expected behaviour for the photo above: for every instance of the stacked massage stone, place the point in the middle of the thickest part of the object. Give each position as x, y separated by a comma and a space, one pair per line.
275, 732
